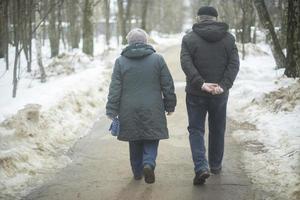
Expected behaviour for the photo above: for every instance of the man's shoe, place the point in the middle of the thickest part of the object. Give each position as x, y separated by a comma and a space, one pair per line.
216, 170
149, 174
200, 177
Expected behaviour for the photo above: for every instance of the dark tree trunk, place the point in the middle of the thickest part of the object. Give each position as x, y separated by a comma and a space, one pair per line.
254, 33
38, 43
247, 20
2, 46
293, 39
243, 33
107, 23
283, 27
6, 33
122, 21
88, 32
144, 14
26, 31
267, 24
53, 30
128, 16
74, 24
16, 32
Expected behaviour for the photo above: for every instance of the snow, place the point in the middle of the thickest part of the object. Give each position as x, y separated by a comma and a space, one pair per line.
39, 126
271, 148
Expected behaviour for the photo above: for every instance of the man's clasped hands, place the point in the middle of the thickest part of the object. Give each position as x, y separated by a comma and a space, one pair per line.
212, 88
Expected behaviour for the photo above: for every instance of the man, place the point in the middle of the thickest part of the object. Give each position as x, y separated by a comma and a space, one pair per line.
210, 61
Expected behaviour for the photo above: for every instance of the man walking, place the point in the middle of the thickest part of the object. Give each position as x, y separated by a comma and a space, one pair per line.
210, 61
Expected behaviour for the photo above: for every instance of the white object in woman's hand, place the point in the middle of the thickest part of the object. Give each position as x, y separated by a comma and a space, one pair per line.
170, 113
109, 117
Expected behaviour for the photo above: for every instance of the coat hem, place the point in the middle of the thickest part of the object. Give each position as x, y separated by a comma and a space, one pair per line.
127, 139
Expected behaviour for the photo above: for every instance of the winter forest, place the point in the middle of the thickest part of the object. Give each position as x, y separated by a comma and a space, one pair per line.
56, 61
74, 24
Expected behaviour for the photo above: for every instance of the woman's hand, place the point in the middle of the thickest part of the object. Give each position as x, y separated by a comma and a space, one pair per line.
109, 117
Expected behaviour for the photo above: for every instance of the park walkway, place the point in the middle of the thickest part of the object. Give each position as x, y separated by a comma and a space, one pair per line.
101, 171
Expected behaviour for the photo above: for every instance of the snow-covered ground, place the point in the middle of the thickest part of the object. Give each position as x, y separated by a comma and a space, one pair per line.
264, 107
39, 126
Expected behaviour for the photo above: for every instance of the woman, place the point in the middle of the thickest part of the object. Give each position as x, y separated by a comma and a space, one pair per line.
141, 91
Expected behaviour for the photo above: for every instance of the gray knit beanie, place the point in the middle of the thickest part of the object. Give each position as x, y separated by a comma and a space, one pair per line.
137, 35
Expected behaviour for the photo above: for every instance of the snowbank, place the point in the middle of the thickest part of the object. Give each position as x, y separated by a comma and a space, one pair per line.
265, 106
45, 120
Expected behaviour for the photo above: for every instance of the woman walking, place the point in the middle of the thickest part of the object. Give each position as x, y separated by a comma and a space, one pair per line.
141, 92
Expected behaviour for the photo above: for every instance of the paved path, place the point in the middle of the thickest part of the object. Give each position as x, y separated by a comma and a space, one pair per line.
101, 171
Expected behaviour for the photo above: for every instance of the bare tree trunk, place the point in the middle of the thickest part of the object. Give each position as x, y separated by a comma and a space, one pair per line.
30, 33
6, 33
267, 24
45, 6
144, 14
16, 28
122, 21
53, 30
60, 28
254, 35
293, 39
2, 48
26, 31
243, 22
283, 29
237, 24
38, 44
107, 23
128, 16
72, 10
88, 32
243, 35
247, 20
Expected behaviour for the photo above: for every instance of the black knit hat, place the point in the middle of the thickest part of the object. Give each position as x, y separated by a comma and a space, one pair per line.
208, 10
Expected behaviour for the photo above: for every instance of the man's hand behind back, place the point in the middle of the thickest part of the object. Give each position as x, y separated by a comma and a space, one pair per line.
212, 88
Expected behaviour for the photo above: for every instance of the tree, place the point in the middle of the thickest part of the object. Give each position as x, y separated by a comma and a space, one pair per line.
16, 18
246, 23
283, 6
54, 28
124, 18
88, 30
4, 35
293, 39
145, 4
107, 21
72, 10
38, 42
267, 24
128, 15
6, 31
2, 51
26, 29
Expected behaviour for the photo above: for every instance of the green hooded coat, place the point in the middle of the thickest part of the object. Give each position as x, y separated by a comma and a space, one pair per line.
140, 92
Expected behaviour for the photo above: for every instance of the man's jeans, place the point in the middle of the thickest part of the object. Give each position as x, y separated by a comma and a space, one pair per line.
142, 152
197, 107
